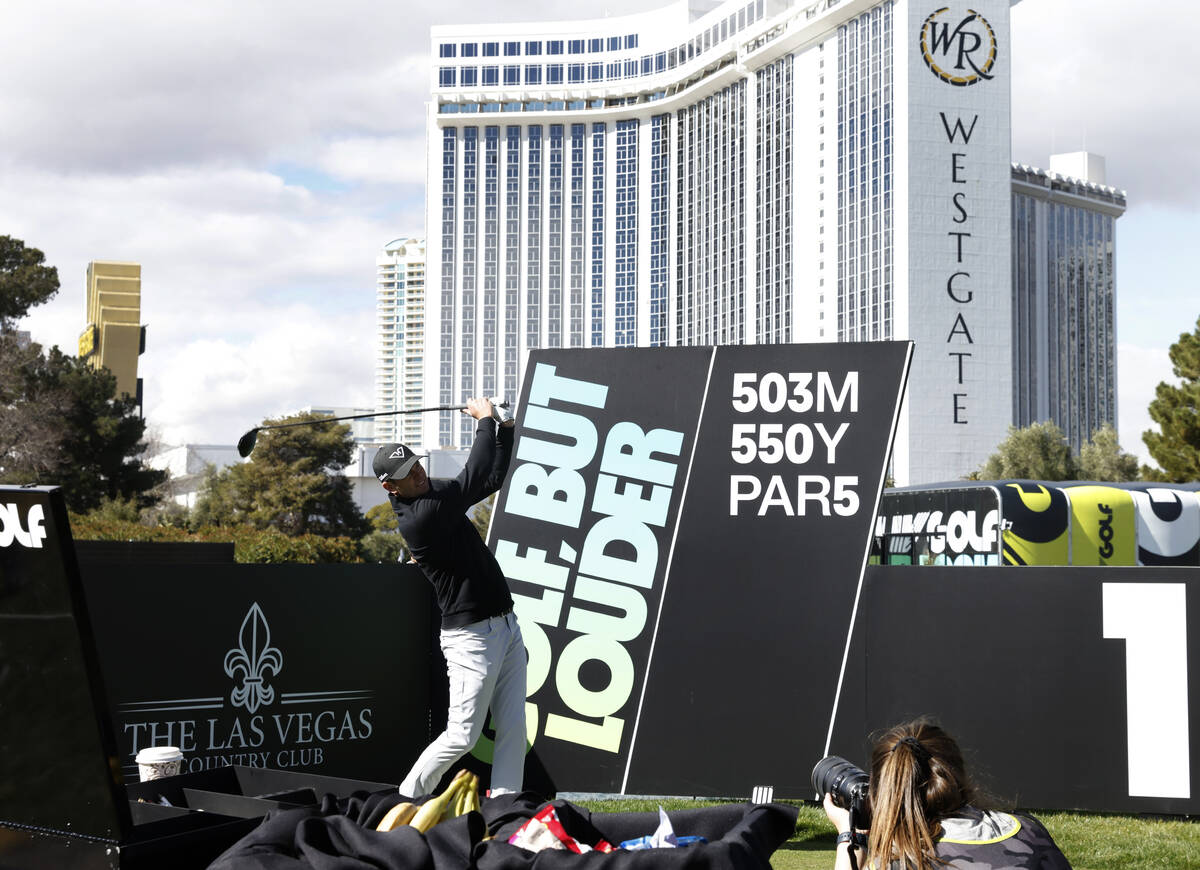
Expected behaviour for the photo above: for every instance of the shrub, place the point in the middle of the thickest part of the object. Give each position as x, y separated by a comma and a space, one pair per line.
383, 547
250, 544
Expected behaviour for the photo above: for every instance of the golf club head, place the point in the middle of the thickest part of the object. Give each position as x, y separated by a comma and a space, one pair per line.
245, 445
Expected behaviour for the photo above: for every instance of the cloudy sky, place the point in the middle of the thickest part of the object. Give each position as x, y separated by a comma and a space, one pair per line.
255, 156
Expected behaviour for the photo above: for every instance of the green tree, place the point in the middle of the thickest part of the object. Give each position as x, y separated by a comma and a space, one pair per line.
60, 420
1102, 458
1039, 451
62, 424
380, 546
382, 518
25, 280
114, 510
28, 430
103, 437
1176, 410
216, 500
30, 419
383, 543
290, 483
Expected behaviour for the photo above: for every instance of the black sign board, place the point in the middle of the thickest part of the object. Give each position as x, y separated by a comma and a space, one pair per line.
324, 668
1068, 688
59, 767
673, 519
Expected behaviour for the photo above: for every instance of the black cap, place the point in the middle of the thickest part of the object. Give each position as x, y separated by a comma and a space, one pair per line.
393, 462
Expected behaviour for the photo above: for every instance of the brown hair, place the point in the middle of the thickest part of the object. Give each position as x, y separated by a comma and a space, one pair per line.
917, 779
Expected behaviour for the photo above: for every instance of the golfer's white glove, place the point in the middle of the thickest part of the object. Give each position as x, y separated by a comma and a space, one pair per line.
501, 415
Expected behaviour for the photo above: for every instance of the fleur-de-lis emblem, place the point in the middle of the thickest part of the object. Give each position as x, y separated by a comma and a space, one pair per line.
256, 659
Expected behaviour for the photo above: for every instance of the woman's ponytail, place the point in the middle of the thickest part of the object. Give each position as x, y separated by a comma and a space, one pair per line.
917, 778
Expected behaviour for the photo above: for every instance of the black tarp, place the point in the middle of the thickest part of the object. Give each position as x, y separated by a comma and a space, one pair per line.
341, 835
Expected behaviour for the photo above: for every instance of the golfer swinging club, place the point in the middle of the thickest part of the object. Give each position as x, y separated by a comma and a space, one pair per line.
480, 638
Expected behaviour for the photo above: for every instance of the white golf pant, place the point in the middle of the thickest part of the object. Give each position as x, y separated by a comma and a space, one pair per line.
485, 662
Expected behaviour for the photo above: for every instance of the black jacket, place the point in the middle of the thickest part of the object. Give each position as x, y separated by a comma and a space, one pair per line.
466, 578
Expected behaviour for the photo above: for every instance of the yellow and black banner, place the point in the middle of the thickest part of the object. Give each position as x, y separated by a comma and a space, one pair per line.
1036, 524
1103, 526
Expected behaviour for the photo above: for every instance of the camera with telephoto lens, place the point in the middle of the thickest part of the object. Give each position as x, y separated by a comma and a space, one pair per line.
847, 785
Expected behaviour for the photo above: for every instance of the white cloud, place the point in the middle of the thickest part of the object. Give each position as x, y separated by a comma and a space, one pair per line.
390, 159
211, 243
131, 84
1090, 77
134, 84
253, 157
1139, 371
211, 390
259, 297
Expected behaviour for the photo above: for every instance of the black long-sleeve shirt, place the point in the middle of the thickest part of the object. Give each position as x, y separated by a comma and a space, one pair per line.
466, 578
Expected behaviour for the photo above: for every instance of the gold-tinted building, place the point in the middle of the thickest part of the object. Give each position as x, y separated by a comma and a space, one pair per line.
114, 337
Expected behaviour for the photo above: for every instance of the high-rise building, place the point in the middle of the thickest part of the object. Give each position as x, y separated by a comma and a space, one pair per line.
1064, 295
400, 312
114, 337
731, 172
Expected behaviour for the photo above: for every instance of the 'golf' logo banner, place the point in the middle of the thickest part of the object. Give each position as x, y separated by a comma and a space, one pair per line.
669, 515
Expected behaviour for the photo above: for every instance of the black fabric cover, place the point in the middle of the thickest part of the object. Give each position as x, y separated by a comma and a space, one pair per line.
341, 835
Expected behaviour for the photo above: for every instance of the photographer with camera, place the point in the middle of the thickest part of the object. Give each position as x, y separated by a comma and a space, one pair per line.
918, 809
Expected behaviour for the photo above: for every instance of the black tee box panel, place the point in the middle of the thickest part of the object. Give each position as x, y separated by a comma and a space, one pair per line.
212, 809
239, 805
143, 813
264, 781
187, 842
58, 759
64, 802
252, 782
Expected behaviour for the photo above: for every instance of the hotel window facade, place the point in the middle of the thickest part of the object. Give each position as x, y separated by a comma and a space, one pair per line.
864, 175
400, 349
1064, 301
757, 172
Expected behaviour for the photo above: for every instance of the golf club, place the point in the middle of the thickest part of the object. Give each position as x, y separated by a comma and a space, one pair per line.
245, 445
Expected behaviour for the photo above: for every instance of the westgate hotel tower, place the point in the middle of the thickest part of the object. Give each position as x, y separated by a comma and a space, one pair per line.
760, 172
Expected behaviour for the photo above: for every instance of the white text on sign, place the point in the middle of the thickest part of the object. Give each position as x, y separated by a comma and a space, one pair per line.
795, 443
604, 583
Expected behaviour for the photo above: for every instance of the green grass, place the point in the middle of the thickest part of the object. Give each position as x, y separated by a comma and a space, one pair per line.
1090, 841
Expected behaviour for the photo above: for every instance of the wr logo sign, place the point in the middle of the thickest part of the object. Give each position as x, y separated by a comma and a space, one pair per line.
961, 52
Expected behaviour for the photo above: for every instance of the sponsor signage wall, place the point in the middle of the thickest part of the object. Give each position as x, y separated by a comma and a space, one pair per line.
1037, 524
938, 527
954, 140
1067, 687
1097, 524
316, 667
1103, 525
1028, 522
1168, 526
673, 518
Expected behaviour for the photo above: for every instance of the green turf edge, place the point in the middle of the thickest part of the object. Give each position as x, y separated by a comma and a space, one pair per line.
1091, 841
